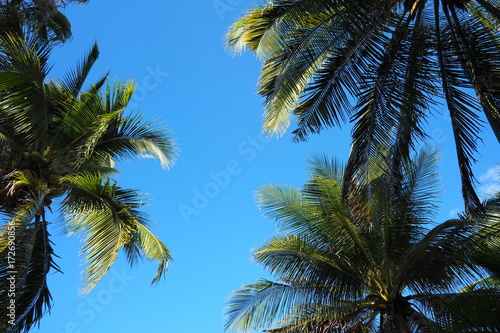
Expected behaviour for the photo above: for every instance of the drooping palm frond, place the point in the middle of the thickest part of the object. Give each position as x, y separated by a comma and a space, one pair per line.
481, 45
130, 136
35, 298
150, 246
392, 102
255, 305
461, 107
382, 65
486, 252
109, 219
471, 311
27, 257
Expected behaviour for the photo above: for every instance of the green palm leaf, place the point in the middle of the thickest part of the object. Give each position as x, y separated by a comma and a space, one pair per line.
382, 65
27, 257
109, 220
76, 78
364, 261
58, 142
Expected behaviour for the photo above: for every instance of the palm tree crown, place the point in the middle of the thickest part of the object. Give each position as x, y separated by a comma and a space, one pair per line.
382, 64
41, 17
59, 145
368, 262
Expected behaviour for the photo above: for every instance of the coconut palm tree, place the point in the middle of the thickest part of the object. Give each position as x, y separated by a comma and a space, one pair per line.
374, 261
42, 17
58, 148
383, 65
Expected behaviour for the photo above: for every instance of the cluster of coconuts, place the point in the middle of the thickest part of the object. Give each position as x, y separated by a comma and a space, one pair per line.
36, 157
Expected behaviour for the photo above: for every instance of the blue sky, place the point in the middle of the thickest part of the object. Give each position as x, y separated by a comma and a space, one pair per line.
203, 208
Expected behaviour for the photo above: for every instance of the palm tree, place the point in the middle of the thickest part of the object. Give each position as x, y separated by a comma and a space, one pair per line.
383, 65
42, 17
368, 262
59, 146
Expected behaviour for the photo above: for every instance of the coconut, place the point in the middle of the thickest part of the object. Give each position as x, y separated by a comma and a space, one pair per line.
36, 156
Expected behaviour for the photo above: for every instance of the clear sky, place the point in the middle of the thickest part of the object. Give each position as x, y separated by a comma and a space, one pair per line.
203, 208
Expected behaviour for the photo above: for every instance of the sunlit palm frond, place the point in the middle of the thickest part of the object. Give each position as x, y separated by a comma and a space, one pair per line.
308, 47
254, 26
287, 203
92, 208
324, 167
109, 219
327, 99
131, 136
145, 243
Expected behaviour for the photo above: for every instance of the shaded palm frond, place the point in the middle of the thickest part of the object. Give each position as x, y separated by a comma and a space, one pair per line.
27, 260
392, 60
261, 304
76, 78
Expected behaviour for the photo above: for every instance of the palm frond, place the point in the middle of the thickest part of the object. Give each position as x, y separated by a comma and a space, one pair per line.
145, 243
420, 187
480, 46
286, 205
461, 107
76, 78
23, 67
300, 259
109, 219
130, 137
443, 251
27, 254
471, 311
320, 318
259, 305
